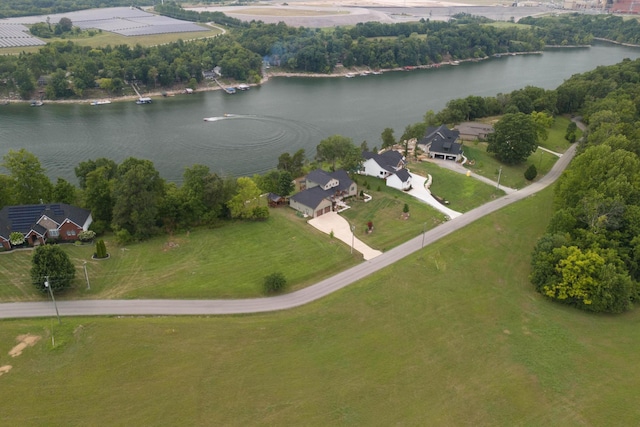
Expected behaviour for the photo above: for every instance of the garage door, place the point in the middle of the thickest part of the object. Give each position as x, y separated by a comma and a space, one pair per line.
318, 213
327, 209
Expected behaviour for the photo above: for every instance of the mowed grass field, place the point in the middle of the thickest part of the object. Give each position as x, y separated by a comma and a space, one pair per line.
487, 165
453, 335
227, 262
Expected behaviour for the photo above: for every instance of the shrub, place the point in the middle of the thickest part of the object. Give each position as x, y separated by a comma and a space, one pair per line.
531, 173
101, 249
99, 227
86, 236
405, 209
123, 237
16, 238
261, 213
274, 283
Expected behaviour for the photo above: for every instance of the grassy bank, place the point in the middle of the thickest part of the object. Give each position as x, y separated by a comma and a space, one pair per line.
453, 335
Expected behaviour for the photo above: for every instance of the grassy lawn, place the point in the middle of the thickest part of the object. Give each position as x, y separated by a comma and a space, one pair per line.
462, 193
453, 335
228, 262
106, 38
385, 212
513, 175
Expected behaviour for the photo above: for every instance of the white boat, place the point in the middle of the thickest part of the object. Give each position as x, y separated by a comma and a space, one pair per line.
37, 103
143, 101
377, 73
349, 75
101, 102
243, 86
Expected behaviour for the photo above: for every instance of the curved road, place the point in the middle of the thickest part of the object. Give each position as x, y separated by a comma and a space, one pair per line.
282, 302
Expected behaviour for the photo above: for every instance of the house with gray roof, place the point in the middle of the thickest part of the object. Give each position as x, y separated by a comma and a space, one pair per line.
390, 166
40, 223
441, 143
323, 191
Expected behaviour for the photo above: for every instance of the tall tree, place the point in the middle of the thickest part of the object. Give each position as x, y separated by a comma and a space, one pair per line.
334, 148
52, 263
514, 138
246, 199
388, 140
64, 192
98, 196
29, 183
137, 192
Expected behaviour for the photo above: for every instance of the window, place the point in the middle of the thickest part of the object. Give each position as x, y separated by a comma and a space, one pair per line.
71, 232
54, 233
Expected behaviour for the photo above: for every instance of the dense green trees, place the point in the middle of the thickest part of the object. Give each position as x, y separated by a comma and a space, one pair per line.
137, 193
590, 256
338, 149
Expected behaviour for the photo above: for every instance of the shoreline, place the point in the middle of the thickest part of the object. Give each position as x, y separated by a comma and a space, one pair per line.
343, 72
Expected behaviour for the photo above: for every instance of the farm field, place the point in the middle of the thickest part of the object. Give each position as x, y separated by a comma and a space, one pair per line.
452, 335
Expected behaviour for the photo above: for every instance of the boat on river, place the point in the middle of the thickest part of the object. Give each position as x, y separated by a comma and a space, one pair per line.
230, 90
144, 100
101, 102
243, 86
37, 103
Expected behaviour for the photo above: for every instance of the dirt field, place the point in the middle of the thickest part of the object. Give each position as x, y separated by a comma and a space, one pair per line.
316, 13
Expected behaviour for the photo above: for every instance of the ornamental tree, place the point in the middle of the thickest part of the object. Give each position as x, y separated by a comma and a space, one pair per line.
514, 138
50, 261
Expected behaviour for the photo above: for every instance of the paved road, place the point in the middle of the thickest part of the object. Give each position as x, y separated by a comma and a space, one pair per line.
283, 302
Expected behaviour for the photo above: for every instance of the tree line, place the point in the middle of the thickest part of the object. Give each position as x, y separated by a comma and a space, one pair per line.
131, 199
72, 69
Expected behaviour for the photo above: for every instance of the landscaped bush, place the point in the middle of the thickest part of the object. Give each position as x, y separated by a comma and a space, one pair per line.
101, 249
16, 238
531, 173
86, 236
274, 283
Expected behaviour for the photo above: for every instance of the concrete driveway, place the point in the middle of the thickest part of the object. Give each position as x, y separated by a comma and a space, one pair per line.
342, 231
420, 192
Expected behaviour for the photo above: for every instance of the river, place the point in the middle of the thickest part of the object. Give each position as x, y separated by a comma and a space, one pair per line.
250, 129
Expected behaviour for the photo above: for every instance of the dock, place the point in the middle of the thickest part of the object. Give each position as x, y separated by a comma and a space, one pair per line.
230, 90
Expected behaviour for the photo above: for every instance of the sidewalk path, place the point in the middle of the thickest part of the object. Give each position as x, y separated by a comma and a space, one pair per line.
549, 151
280, 302
420, 192
342, 231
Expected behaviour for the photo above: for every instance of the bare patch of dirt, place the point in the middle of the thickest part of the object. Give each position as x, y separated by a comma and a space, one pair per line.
24, 341
4, 369
170, 245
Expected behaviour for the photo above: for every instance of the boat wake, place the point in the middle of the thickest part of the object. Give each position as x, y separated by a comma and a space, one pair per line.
229, 116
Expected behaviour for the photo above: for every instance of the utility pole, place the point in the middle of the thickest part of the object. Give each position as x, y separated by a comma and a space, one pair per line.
48, 286
499, 175
86, 275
